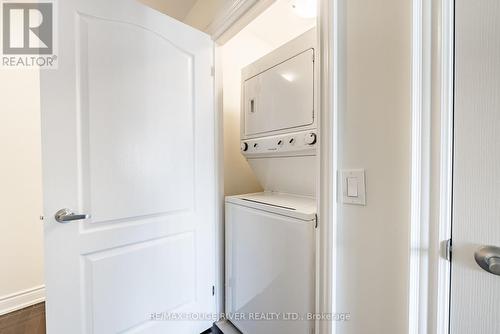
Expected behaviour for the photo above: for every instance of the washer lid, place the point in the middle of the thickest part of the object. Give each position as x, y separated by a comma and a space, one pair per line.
294, 206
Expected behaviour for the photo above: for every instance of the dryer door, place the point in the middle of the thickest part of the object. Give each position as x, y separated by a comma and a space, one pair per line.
281, 97
269, 271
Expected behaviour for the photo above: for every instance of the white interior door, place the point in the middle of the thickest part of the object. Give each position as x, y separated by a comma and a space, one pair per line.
128, 137
475, 299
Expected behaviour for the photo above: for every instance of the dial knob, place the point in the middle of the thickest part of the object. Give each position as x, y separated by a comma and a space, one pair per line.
310, 138
244, 147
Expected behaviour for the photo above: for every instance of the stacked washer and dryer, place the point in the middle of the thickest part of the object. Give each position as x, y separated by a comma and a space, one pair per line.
271, 236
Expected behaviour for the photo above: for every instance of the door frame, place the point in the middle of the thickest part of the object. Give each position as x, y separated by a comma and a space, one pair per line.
432, 166
230, 21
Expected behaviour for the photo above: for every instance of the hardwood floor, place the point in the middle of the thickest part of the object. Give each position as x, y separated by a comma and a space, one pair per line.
29, 320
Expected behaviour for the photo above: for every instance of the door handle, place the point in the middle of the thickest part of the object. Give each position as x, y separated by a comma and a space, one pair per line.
66, 215
488, 258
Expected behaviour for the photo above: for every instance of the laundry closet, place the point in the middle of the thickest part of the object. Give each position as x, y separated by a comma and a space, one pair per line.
271, 139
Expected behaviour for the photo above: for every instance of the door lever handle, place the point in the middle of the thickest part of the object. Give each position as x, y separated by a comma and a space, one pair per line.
66, 215
488, 258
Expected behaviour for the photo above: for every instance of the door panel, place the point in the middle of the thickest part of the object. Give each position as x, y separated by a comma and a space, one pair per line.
153, 102
144, 286
128, 137
475, 293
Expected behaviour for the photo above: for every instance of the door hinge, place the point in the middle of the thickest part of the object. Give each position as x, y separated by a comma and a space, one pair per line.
448, 249
212, 71
213, 290
315, 221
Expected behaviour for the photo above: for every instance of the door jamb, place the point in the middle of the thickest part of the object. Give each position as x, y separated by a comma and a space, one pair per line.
330, 36
331, 40
432, 166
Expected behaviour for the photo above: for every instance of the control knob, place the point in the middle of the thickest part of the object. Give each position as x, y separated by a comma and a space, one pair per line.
310, 138
244, 146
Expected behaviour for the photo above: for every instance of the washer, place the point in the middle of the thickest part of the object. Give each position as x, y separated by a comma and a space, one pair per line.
270, 243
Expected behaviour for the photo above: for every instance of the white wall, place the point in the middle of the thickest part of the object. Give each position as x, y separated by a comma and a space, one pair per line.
274, 27
21, 235
375, 133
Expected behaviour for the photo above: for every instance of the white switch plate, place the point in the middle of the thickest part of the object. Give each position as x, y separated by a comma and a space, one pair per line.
352, 183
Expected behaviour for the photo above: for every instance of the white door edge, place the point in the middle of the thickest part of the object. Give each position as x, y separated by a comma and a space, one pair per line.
431, 184
219, 180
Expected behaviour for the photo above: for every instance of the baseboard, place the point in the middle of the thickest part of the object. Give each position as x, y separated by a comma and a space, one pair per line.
22, 299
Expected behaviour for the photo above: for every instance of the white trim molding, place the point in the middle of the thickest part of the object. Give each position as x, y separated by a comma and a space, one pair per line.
331, 41
234, 16
432, 160
22, 299
228, 16
420, 166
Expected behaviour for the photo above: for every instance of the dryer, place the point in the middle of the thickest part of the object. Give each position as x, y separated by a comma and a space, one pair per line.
271, 236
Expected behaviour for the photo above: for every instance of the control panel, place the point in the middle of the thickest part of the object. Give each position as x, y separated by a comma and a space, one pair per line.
290, 144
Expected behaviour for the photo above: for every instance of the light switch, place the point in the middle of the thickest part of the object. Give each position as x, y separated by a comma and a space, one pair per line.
353, 186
